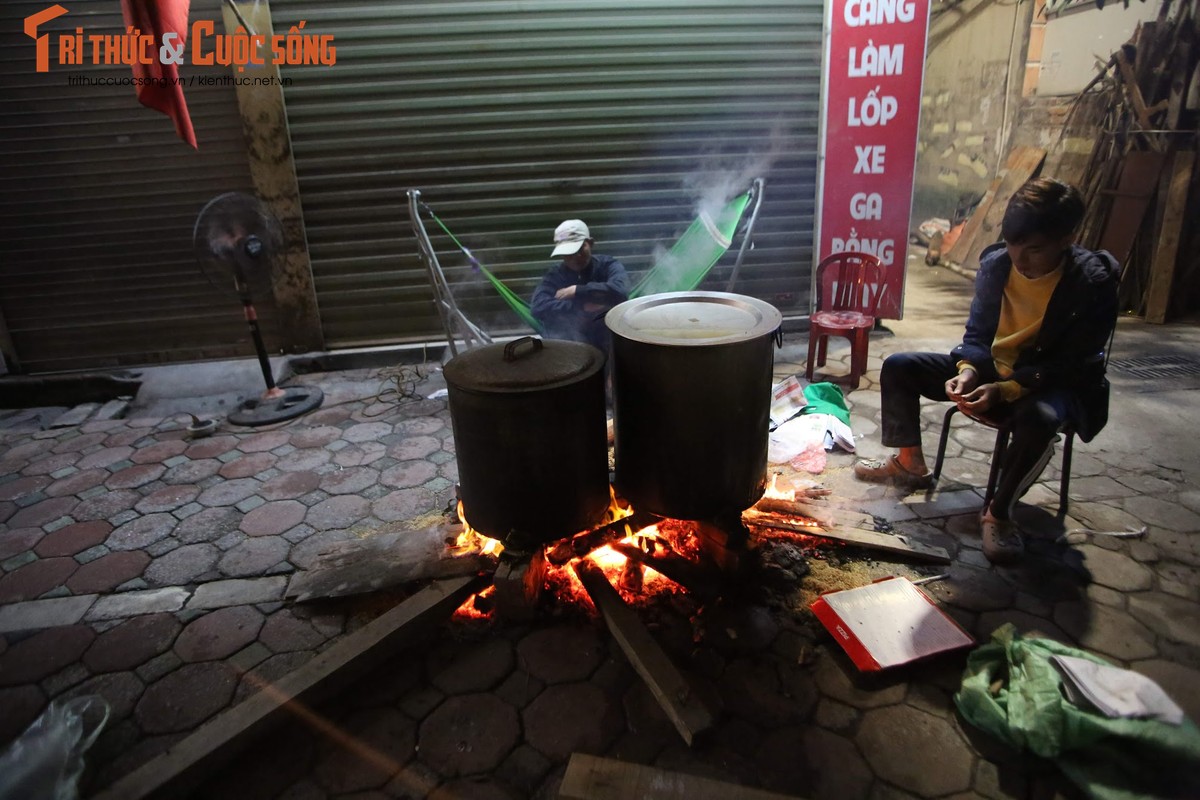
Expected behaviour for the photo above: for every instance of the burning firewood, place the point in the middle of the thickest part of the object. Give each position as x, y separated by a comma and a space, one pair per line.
685, 709
586, 542
892, 543
691, 576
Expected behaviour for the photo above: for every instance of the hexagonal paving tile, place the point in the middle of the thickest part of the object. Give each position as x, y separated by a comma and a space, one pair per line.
469, 734
594, 722
562, 653
916, 751
219, 634
186, 697
132, 643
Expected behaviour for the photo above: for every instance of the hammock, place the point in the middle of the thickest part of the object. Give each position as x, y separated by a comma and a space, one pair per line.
680, 269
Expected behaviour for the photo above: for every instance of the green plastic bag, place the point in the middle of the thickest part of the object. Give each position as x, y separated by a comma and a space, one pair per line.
1011, 690
826, 398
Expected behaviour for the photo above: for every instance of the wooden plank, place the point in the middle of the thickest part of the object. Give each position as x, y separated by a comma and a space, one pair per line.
184, 766
1023, 164
1135, 188
962, 245
595, 778
890, 543
961, 249
1132, 89
385, 559
690, 716
1162, 271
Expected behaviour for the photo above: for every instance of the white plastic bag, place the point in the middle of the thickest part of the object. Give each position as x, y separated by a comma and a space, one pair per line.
45, 762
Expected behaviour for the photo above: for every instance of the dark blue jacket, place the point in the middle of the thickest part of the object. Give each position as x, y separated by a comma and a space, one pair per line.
603, 281
1069, 350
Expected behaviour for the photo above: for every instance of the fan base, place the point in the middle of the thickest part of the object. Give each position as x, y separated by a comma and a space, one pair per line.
292, 403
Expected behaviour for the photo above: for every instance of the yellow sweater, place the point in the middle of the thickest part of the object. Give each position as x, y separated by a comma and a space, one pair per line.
1021, 314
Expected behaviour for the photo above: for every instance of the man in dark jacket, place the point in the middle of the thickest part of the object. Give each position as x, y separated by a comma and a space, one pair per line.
1032, 353
573, 298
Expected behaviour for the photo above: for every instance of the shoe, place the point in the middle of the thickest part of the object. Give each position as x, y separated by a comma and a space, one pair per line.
890, 470
1002, 541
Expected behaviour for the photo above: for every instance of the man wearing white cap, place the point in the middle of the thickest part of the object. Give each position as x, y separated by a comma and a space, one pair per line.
573, 298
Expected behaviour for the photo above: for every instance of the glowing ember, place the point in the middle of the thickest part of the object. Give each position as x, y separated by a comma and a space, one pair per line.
674, 535
478, 606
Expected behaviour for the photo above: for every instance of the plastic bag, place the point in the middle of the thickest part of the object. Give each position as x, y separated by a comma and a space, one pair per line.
1012, 690
45, 762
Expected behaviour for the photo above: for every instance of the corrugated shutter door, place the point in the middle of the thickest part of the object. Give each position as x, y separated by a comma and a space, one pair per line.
512, 116
98, 199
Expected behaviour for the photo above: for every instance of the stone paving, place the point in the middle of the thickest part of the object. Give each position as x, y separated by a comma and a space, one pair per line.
150, 569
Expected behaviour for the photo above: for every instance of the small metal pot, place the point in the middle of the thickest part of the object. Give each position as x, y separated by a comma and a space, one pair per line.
692, 388
530, 435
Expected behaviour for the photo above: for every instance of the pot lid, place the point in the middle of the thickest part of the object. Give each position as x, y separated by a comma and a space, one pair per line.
523, 364
693, 318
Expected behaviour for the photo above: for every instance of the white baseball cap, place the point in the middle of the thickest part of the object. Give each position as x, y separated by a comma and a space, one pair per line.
569, 237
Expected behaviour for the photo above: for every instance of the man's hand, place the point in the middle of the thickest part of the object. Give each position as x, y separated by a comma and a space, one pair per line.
565, 293
961, 383
981, 398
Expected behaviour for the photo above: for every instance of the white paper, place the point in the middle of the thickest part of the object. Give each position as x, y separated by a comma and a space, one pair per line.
895, 622
1115, 692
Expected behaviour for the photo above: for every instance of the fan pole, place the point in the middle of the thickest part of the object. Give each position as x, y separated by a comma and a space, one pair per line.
252, 320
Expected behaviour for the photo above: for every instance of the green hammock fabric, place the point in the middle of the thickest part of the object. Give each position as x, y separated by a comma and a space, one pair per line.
684, 266
680, 269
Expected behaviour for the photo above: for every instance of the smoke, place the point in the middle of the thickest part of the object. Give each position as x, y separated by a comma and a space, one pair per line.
723, 175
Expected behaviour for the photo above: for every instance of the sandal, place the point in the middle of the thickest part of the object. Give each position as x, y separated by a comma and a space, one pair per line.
1001, 538
890, 470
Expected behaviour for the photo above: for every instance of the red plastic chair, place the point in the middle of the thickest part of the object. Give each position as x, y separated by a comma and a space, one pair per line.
849, 286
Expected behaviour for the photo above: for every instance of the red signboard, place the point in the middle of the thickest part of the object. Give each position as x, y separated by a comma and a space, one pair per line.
873, 69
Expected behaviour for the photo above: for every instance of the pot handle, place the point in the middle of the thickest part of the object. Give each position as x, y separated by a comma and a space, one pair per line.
510, 349
779, 337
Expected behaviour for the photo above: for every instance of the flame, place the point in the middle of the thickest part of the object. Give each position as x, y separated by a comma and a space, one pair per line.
676, 534
472, 540
775, 493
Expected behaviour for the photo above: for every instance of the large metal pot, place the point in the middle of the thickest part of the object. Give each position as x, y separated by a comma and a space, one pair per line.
529, 431
692, 387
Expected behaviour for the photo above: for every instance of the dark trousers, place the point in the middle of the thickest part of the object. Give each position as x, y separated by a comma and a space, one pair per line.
1036, 418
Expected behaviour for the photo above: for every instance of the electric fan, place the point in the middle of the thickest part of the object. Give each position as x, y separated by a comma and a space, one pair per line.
236, 237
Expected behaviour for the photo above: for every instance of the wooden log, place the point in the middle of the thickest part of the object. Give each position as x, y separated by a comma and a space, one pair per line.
824, 514
704, 584
386, 559
584, 543
1162, 271
197, 757
690, 716
595, 778
891, 543
519, 586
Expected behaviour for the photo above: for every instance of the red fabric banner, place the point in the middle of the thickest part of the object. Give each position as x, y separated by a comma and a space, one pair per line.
162, 91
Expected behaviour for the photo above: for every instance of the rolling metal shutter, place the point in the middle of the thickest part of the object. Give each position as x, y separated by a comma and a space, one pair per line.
512, 116
98, 198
